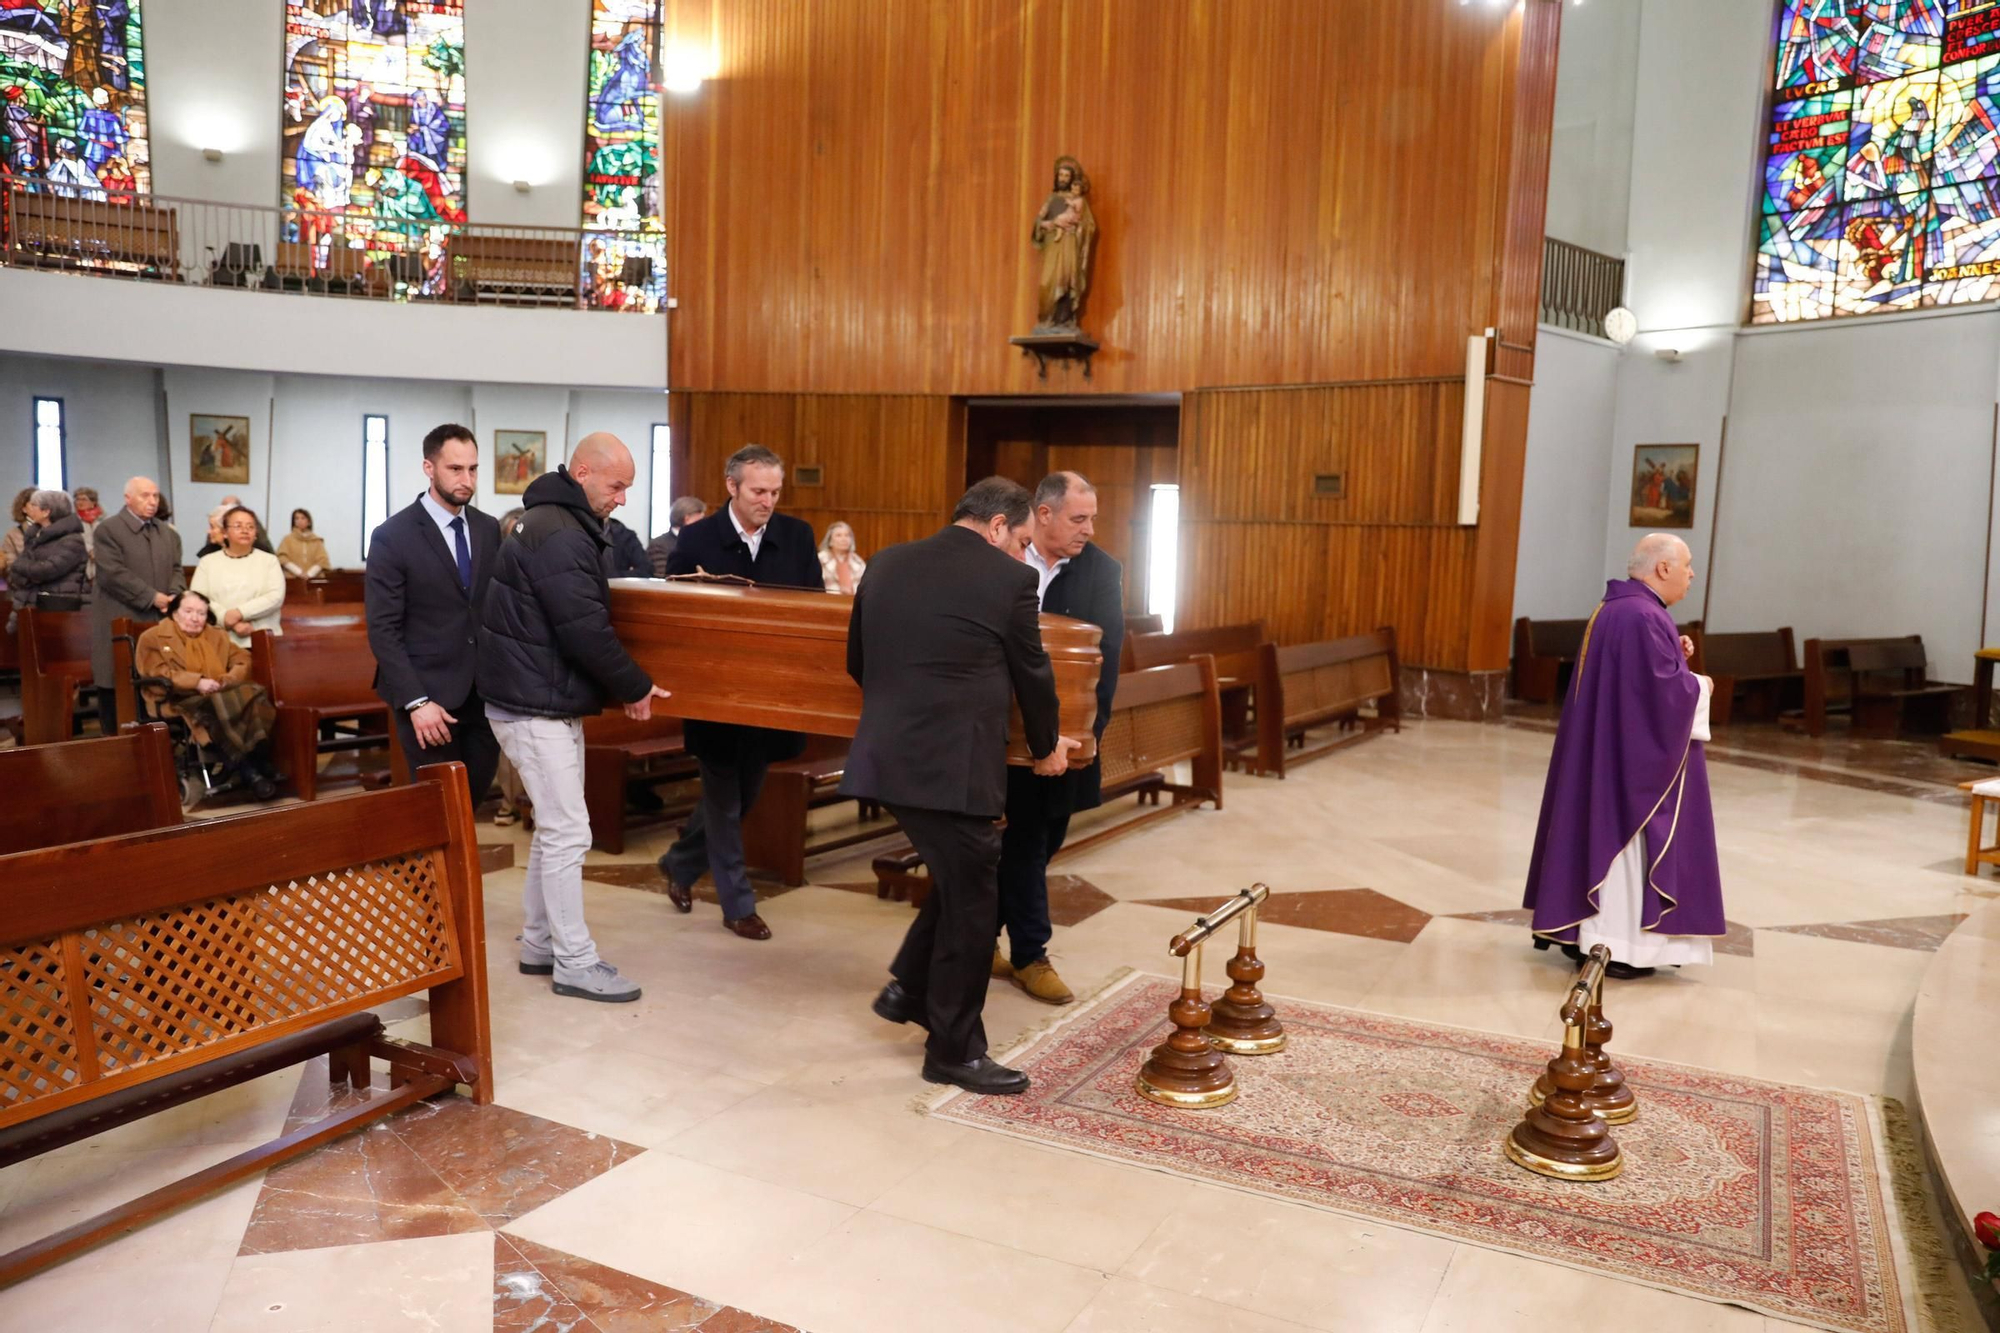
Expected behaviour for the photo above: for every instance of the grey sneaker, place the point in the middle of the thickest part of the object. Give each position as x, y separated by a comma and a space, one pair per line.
535, 962
599, 982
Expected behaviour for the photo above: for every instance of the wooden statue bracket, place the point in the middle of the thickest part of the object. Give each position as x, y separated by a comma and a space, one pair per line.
1059, 346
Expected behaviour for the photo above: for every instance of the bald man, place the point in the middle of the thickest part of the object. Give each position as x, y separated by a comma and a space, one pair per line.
1625, 851
138, 572
547, 660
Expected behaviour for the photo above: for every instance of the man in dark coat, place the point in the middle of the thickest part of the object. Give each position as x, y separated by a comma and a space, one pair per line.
138, 572
625, 557
428, 568
750, 539
1075, 578
548, 659
688, 509
943, 632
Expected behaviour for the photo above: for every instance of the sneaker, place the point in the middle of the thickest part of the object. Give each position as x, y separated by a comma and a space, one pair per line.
535, 962
1039, 979
503, 817
1002, 969
598, 982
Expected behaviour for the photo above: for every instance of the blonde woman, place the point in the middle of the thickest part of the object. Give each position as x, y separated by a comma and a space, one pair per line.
839, 563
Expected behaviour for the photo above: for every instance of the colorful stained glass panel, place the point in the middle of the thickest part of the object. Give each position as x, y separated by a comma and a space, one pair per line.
1817, 40
1964, 246
1889, 144
625, 266
1897, 38
1808, 153
1972, 28
1798, 263
73, 96
1882, 249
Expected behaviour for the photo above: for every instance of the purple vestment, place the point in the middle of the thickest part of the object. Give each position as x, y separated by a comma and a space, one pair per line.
1624, 762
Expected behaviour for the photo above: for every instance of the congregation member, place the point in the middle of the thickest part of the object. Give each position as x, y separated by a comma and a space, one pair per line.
943, 635
688, 509
625, 557
429, 566
263, 538
750, 539
245, 582
1625, 850
138, 572
214, 540
302, 553
16, 536
89, 510
52, 571
548, 659
1074, 577
211, 689
840, 565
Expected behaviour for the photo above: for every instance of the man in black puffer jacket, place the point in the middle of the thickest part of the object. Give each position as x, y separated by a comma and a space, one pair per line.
548, 659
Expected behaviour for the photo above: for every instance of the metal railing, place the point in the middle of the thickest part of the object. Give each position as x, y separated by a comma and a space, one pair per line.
110, 234
1579, 287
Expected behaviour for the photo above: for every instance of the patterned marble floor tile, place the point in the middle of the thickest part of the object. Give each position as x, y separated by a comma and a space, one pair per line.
1073, 900
732, 1320
1741, 941
1362, 912
1923, 933
537, 1289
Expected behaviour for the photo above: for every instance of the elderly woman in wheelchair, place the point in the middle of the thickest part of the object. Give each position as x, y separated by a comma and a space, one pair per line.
190, 672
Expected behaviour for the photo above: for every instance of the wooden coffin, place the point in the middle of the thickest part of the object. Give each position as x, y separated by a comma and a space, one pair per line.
777, 657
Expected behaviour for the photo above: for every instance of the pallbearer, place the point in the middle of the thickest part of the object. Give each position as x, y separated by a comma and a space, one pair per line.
1625, 852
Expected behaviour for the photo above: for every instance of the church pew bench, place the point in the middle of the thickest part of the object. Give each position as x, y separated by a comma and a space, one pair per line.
1314, 684
320, 617
515, 270
332, 586
143, 970
617, 752
73, 791
1146, 624
1544, 653
1762, 665
316, 681
1880, 682
54, 648
1238, 654
776, 830
301, 266
1160, 717
51, 230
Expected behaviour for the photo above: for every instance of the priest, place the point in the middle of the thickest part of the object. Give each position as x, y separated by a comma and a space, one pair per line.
1625, 850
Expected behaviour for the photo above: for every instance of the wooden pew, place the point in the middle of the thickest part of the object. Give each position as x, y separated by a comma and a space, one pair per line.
1880, 682
1146, 624
1543, 649
776, 829
73, 791
55, 663
319, 617
516, 270
328, 587
1238, 654
50, 230
618, 751
143, 970
1313, 684
1762, 664
319, 678
1161, 716
299, 268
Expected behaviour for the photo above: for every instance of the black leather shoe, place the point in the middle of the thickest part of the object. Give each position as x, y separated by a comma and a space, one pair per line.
985, 1075
898, 1006
680, 895
1618, 971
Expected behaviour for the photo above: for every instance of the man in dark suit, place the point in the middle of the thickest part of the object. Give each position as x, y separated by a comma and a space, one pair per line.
1075, 578
750, 539
428, 569
943, 632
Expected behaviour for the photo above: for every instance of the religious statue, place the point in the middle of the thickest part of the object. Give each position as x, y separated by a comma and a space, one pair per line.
1064, 231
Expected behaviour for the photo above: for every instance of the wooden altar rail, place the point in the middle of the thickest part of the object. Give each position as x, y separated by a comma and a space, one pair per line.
72, 791
140, 970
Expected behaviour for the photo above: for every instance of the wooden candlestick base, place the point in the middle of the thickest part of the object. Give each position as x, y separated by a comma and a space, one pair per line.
1608, 1094
1242, 1023
1564, 1137
1185, 1071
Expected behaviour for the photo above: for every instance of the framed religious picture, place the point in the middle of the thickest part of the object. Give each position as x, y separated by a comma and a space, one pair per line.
1663, 480
219, 449
519, 456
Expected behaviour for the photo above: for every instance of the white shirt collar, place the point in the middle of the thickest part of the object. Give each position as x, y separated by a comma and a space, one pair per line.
753, 540
441, 516
1045, 571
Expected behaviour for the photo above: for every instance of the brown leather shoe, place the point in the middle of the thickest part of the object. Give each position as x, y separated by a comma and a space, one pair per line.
1002, 969
750, 927
1039, 979
680, 895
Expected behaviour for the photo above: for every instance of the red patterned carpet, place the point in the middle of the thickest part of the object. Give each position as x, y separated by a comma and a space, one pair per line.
1755, 1194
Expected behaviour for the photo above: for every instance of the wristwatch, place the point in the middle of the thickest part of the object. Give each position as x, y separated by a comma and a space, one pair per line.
416, 703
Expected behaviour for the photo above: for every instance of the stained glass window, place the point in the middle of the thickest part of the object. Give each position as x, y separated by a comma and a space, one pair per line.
1881, 185
625, 263
73, 96
373, 162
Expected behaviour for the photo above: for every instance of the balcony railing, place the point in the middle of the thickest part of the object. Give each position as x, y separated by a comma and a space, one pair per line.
370, 258
1579, 287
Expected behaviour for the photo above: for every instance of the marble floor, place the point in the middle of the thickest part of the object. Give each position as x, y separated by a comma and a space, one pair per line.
738, 1151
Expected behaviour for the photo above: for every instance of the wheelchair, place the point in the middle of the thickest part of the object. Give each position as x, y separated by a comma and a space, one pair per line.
203, 774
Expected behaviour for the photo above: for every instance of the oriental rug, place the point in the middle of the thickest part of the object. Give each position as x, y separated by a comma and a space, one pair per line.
1763, 1195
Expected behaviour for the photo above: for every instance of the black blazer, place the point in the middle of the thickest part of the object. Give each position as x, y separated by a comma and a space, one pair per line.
422, 626
943, 632
786, 558
1091, 587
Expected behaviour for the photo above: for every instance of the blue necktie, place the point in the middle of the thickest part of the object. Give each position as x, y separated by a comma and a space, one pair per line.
464, 553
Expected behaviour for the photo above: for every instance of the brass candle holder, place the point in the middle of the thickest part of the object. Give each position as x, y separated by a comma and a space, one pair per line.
1188, 1070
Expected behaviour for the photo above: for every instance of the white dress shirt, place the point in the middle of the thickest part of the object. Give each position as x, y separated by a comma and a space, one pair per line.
1045, 571
443, 518
753, 540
